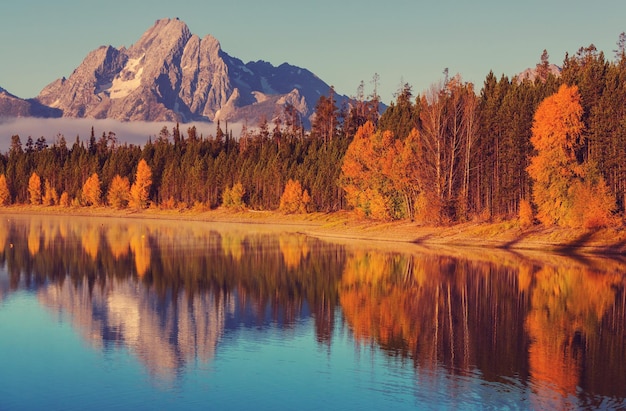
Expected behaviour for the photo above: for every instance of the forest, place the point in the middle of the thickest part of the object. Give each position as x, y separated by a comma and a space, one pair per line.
551, 149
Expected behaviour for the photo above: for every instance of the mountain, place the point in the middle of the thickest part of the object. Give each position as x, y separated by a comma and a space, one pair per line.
530, 74
13, 106
171, 74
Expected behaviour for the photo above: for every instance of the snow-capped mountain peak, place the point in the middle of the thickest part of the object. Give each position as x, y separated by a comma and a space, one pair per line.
170, 74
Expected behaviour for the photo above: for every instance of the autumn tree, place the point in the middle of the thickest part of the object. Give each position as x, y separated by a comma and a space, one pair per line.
50, 196
556, 130
294, 198
92, 191
562, 184
140, 190
5, 194
64, 200
526, 215
375, 173
119, 192
34, 189
232, 197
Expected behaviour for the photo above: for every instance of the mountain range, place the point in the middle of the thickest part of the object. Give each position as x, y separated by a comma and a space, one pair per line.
171, 74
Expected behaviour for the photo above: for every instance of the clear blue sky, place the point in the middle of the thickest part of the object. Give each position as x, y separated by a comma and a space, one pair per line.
342, 41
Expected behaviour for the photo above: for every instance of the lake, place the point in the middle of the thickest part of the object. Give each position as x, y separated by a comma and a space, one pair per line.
100, 313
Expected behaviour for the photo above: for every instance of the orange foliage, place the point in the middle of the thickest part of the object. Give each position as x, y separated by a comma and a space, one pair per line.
119, 192
294, 248
34, 189
141, 249
4, 234
556, 128
118, 240
64, 201
526, 217
50, 196
294, 198
90, 240
592, 204
140, 190
563, 189
374, 305
92, 191
34, 239
5, 195
566, 302
374, 177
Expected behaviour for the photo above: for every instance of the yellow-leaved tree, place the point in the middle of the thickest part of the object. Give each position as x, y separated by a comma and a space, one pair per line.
383, 177
367, 188
563, 186
34, 189
294, 198
232, 197
119, 192
5, 194
140, 190
92, 191
50, 196
64, 200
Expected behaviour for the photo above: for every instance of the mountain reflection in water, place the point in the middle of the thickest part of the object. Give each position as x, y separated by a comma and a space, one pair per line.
552, 326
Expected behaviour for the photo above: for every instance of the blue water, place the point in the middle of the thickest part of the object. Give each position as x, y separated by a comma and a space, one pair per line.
245, 321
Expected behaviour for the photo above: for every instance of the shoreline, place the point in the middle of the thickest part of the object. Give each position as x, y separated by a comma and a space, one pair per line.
344, 226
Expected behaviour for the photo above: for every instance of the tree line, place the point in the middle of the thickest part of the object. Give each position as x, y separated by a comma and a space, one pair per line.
453, 155
449, 154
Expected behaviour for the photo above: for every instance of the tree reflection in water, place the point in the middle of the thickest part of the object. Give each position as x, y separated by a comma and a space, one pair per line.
171, 291
557, 325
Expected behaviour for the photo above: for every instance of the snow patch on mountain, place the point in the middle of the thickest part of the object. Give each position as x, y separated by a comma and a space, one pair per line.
128, 80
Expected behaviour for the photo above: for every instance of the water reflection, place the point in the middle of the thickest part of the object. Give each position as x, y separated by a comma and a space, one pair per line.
557, 326
550, 327
164, 335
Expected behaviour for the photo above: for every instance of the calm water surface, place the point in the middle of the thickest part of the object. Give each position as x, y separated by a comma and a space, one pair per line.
108, 314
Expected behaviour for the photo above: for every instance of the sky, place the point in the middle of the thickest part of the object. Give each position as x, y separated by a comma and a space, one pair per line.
343, 42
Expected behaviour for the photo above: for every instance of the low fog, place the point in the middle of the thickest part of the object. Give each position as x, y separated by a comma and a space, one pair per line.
136, 132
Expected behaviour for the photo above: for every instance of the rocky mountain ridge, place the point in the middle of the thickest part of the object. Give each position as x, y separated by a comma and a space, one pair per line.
170, 74
13, 106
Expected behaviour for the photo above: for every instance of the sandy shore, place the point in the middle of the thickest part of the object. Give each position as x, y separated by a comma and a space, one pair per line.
343, 226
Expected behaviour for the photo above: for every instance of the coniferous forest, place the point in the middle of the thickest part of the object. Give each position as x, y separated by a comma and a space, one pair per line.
452, 153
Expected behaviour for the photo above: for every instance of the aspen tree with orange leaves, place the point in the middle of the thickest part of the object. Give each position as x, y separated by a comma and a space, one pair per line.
294, 198
560, 182
119, 192
140, 190
34, 189
5, 194
368, 188
92, 191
